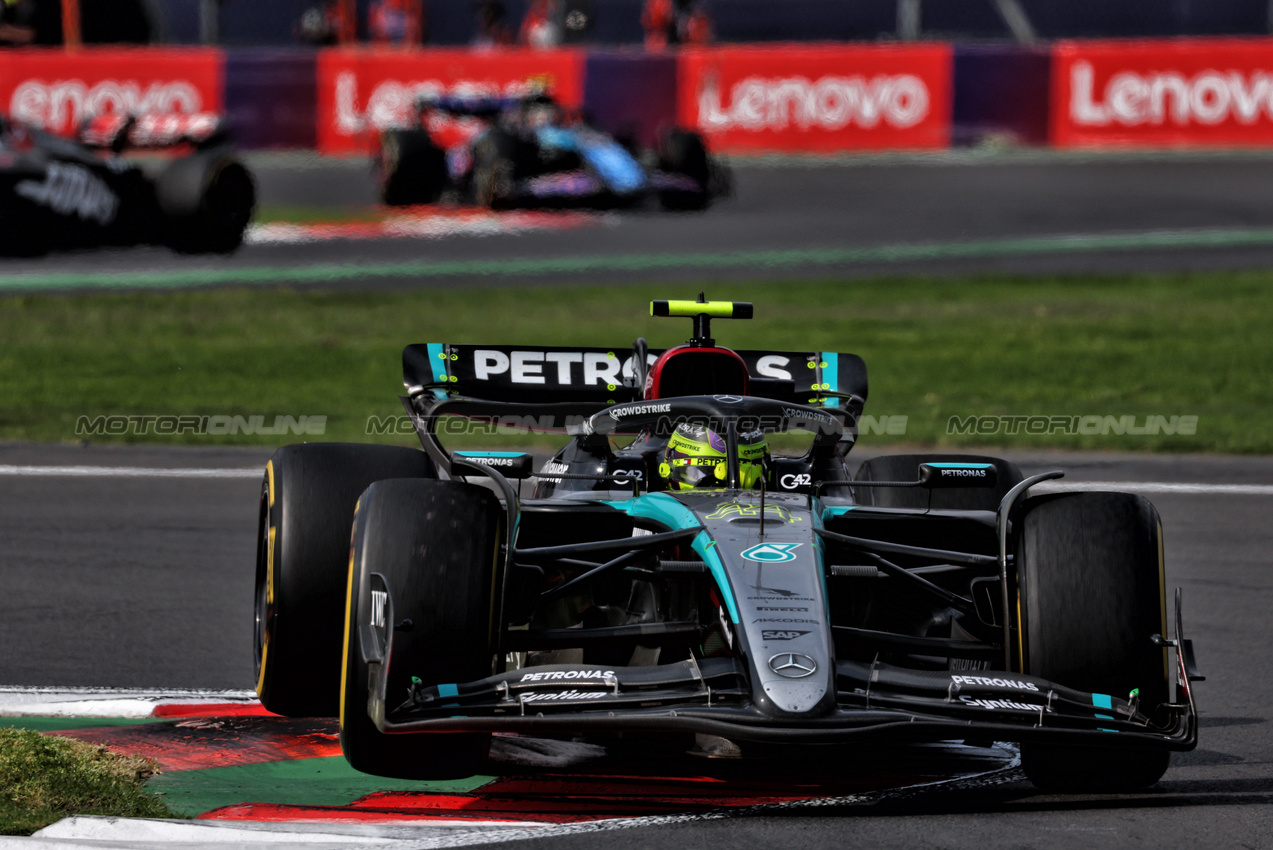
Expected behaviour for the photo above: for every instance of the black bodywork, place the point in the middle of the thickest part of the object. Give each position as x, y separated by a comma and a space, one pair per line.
803, 612
58, 193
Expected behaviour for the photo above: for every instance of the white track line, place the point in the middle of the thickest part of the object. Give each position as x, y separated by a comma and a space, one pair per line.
124, 472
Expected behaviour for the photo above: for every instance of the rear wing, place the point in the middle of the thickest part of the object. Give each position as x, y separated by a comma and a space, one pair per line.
551, 375
153, 130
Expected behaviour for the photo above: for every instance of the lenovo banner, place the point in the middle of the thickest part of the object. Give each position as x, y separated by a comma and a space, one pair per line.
818, 99
361, 92
1147, 93
58, 90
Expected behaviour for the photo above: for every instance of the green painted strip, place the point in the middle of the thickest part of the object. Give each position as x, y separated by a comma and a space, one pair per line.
336, 272
60, 724
302, 782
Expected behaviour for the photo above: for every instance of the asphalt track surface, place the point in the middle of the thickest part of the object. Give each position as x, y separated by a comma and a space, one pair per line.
947, 214
147, 582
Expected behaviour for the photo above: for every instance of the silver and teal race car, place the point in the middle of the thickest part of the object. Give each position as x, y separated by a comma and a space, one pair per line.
432, 598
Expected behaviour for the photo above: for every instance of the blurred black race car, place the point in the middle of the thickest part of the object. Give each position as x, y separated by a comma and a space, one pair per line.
529, 151
58, 193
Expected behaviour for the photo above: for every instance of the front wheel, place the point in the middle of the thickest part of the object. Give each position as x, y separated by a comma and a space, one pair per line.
435, 545
302, 554
1090, 593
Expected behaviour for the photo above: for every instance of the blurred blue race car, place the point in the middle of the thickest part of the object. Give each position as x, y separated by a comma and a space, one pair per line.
503, 152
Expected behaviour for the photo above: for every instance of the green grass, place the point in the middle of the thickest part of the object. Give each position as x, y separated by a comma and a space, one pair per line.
1151, 345
44, 779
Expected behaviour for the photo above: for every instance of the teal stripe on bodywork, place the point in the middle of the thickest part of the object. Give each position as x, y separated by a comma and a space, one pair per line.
663, 509
836, 510
959, 465
437, 359
448, 691
831, 377
490, 454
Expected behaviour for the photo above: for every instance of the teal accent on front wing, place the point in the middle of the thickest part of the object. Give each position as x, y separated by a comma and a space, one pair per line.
836, 510
437, 359
667, 511
1104, 701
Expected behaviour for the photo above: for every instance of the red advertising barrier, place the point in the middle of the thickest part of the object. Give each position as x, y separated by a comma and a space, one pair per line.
819, 99
1147, 93
361, 91
58, 89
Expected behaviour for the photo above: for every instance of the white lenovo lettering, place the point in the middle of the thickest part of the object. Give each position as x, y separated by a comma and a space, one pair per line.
67, 103
1132, 99
828, 103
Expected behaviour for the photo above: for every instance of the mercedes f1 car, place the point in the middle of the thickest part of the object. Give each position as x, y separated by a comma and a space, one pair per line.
752, 594
528, 151
58, 193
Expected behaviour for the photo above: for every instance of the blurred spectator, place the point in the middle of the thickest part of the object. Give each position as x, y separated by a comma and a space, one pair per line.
16, 28
396, 21
492, 24
675, 22
541, 27
30, 22
321, 25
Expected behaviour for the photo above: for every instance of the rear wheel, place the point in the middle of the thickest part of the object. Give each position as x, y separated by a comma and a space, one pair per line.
683, 153
906, 468
306, 510
409, 168
1090, 593
435, 545
207, 200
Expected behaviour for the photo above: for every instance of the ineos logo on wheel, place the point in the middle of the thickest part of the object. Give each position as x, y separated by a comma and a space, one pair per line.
793, 665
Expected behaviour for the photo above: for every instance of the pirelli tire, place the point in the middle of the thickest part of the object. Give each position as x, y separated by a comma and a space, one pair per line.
436, 546
1091, 596
683, 152
906, 468
409, 168
206, 201
306, 511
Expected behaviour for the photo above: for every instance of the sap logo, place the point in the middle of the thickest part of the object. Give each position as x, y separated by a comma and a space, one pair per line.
781, 634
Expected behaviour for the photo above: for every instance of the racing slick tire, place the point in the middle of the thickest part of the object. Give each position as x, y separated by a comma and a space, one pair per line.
436, 546
307, 508
206, 200
906, 468
1090, 592
683, 152
494, 170
409, 168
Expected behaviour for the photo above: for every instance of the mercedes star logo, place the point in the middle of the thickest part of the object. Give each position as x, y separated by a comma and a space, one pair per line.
793, 665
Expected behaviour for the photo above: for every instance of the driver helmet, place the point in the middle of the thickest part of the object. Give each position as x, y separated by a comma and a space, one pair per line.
695, 457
